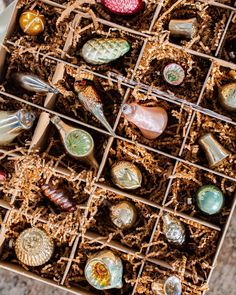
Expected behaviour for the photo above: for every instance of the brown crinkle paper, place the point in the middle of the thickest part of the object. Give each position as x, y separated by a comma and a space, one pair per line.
191, 179
157, 55
99, 221
223, 132
68, 103
229, 40
211, 23
199, 249
171, 139
54, 36
86, 249
155, 169
31, 172
55, 267
219, 77
25, 61
154, 275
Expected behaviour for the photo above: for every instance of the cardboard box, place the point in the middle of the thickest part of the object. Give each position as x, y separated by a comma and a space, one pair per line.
172, 170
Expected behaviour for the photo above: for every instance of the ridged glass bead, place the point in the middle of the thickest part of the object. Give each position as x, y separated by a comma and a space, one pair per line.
34, 247
210, 199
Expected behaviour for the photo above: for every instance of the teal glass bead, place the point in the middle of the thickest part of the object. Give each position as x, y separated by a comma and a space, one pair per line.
210, 199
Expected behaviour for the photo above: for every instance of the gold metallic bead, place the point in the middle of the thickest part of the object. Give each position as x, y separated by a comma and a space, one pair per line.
227, 96
123, 215
214, 151
32, 22
34, 247
126, 175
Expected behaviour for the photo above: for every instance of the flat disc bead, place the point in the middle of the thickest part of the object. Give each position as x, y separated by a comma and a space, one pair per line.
210, 199
32, 22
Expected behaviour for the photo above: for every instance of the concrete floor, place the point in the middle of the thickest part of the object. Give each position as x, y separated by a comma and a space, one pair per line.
223, 280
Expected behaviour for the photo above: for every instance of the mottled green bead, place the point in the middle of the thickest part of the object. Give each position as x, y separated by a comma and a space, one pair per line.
100, 51
210, 199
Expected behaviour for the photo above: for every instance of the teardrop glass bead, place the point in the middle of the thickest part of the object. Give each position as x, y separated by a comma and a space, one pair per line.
173, 229
151, 121
91, 101
13, 123
33, 83
100, 51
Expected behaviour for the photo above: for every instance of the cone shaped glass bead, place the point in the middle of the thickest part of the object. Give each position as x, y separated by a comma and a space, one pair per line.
214, 151
151, 121
123, 7
33, 83
173, 229
104, 271
34, 247
126, 175
210, 199
123, 215
186, 28
173, 286
91, 101
12, 124
104, 50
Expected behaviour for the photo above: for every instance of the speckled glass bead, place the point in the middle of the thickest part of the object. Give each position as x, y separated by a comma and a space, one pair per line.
210, 199
123, 7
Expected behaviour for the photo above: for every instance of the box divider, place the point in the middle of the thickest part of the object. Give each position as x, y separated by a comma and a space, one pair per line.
117, 246
118, 137
143, 88
218, 4
224, 33
71, 257
20, 270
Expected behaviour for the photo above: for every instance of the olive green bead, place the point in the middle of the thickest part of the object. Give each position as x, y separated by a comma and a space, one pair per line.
210, 199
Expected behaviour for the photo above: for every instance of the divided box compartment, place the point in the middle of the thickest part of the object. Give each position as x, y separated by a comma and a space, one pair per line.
173, 167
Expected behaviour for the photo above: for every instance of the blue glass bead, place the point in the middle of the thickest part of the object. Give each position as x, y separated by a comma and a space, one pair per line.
210, 199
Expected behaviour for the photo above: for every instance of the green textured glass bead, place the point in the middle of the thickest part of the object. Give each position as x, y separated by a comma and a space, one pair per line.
100, 51
210, 199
